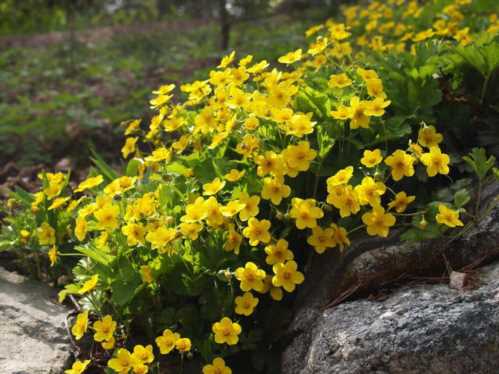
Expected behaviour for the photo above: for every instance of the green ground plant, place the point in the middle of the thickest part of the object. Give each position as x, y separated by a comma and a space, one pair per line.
188, 259
60, 97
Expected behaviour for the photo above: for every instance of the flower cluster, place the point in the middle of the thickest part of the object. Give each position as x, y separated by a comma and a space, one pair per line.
255, 169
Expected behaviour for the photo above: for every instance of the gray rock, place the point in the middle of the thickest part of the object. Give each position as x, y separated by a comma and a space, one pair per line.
423, 329
33, 338
372, 337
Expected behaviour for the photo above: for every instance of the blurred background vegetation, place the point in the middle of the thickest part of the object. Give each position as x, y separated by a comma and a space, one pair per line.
72, 70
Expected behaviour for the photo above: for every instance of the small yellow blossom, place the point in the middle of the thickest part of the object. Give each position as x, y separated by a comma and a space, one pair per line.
166, 342
278, 252
226, 331
401, 164
217, 367
287, 276
371, 158
250, 277
436, 162
305, 213
400, 202
78, 367
104, 328
245, 305
378, 222
448, 217
81, 325
89, 285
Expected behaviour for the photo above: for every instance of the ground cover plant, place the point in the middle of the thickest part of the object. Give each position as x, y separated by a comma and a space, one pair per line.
188, 260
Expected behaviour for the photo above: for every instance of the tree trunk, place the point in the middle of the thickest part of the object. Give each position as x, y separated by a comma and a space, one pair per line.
224, 25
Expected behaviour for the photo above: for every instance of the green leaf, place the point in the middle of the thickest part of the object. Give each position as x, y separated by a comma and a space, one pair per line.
133, 167
123, 291
102, 166
95, 254
478, 161
461, 198
417, 234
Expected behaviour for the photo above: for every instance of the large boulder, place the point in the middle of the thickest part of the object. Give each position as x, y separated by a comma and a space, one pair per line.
33, 337
420, 329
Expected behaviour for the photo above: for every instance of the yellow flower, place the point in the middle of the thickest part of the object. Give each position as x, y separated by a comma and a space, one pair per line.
227, 60
358, 115
146, 274
291, 57
133, 127
429, 137
268, 163
46, 234
275, 190
376, 107
129, 146
226, 331
217, 367
375, 88
55, 184
234, 175
370, 191
80, 228
107, 217
401, 164
300, 125
166, 342
123, 362
104, 328
378, 222
143, 354
257, 231
109, 344
233, 240
214, 216
78, 367
183, 345
120, 185
160, 237
371, 158
400, 202
57, 203
81, 325
448, 217
89, 285
213, 187
134, 233
52, 253
245, 305
278, 252
436, 162
305, 213
159, 154
339, 81
250, 277
344, 198
250, 206
341, 113
298, 157
321, 239
338, 31
340, 236
343, 176
190, 230
195, 212
287, 276
140, 369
